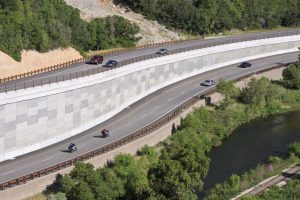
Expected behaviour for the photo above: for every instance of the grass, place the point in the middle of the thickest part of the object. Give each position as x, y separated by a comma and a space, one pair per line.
39, 196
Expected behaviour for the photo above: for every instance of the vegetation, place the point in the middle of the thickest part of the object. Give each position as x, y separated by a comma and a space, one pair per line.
289, 192
177, 170
237, 184
291, 77
47, 24
213, 16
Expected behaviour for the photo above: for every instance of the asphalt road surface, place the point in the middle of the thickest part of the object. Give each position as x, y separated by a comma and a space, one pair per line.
131, 119
134, 54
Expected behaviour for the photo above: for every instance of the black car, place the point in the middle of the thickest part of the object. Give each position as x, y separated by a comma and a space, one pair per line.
97, 59
245, 64
111, 63
162, 51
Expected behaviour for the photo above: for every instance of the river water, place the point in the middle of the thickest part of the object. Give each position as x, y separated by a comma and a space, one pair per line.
251, 144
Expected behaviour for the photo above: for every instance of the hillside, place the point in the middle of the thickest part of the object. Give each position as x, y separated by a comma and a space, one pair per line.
150, 31
47, 25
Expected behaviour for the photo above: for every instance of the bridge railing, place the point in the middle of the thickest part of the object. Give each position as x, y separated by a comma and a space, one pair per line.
168, 117
8, 86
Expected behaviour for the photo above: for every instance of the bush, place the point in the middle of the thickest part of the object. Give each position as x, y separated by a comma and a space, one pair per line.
295, 149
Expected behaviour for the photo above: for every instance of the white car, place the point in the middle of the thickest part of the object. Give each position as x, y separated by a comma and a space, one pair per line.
208, 83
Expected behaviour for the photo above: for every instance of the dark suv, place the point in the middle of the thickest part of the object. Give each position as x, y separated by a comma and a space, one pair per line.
97, 59
111, 63
245, 64
162, 51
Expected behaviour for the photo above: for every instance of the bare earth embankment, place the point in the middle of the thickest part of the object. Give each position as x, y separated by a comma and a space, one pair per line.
32, 60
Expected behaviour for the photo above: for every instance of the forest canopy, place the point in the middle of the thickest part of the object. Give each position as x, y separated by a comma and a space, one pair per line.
48, 24
213, 16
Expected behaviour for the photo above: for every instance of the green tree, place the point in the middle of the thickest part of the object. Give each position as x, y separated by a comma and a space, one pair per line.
228, 89
80, 191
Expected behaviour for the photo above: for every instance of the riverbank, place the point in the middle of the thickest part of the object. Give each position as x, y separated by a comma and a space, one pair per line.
246, 184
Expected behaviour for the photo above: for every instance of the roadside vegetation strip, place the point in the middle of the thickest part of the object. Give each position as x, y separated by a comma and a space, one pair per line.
285, 176
290, 191
258, 179
124, 140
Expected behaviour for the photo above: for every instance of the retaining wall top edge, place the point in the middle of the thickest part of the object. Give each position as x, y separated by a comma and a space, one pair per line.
46, 90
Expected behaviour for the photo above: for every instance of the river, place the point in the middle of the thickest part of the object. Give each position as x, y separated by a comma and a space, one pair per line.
251, 144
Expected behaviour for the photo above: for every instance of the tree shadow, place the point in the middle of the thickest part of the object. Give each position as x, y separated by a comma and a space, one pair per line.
55, 186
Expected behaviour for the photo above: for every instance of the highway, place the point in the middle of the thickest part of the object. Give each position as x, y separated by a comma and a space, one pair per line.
138, 53
132, 118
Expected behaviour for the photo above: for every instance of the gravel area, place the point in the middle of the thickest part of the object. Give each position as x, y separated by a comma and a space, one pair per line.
151, 31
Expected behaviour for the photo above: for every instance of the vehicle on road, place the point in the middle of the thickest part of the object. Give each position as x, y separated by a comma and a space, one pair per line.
111, 63
105, 133
72, 147
162, 51
96, 59
208, 83
245, 64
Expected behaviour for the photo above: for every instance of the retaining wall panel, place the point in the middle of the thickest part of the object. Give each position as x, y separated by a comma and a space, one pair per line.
27, 124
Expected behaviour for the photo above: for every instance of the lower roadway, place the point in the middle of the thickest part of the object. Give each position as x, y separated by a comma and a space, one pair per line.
131, 119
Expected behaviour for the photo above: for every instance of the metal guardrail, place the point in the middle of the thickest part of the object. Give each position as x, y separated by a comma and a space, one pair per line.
75, 75
126, 139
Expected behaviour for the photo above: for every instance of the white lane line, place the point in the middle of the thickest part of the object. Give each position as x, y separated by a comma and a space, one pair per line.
9, 172
182, 92
28, 165
145, 115
170, 99
157, 107
47, 159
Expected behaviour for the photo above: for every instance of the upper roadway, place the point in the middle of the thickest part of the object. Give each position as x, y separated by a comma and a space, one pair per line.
141, 52
129, 120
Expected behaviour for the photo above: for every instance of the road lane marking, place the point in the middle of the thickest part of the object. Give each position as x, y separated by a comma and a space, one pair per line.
170, 99
145, 115
9, 172
182, 92
28, 165
157, 107
47, 159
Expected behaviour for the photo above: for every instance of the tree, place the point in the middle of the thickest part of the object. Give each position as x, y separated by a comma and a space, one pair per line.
228, 89
80, 191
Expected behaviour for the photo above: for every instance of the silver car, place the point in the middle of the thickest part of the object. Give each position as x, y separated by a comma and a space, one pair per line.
208, 83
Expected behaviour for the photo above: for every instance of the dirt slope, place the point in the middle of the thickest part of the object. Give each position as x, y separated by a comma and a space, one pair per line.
151, 31
32, 60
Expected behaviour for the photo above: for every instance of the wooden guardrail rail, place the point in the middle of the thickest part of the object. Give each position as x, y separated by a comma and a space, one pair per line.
104, 52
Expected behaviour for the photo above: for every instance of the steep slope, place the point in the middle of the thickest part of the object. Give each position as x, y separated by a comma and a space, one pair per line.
32, 60
151, 31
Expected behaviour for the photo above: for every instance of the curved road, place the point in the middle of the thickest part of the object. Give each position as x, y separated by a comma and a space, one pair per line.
134, 117
142, 52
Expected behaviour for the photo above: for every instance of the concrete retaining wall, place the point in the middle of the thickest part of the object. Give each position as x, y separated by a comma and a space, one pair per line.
37, 117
